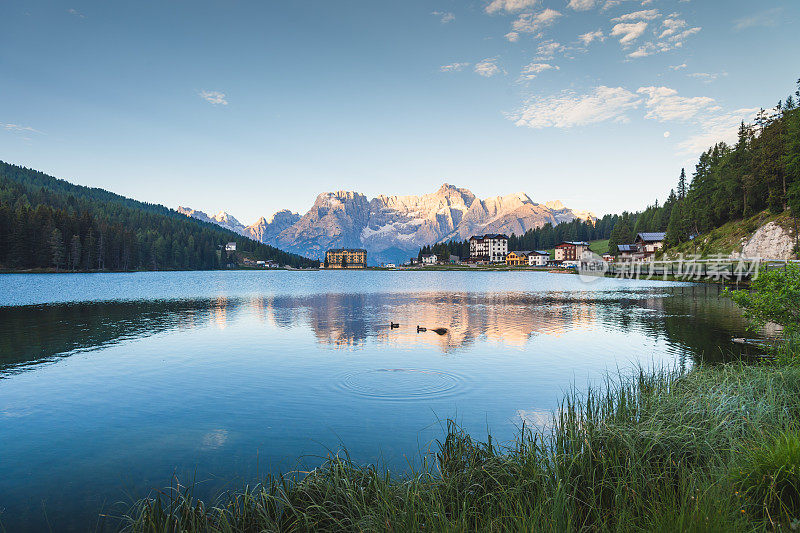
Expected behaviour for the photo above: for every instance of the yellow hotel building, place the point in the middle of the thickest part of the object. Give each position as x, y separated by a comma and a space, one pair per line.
346, 258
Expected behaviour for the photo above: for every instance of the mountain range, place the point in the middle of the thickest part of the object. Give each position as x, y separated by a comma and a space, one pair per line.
393, 228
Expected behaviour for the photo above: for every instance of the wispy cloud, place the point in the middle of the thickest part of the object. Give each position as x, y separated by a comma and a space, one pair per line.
664, 104
548, 50
645, 14
608, 4
581, 5
16, 128
453, 67
673, 33
214, 97
510, 6
678, 67
444, 16
568, 109
589, 37
765, 18
76, 13
530, 23
512, 36
628, 31
706, 77
531, 70
715, 128
488, 67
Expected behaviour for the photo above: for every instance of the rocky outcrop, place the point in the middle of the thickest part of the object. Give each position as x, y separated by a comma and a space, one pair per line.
392, 228
770, 241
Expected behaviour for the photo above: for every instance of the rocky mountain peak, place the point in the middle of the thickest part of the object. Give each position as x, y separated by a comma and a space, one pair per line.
392, 227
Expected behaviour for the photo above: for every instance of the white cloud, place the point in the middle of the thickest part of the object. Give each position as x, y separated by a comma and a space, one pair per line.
531, 70
512, 36
589, 37
581, 5
678, 67
646, 14
568, 109
488, 68
675, 29
674, 32
765, 18
445, 17
706, 77
76, 13
667, 134
16, 128
613, 3
453, 67
548, 50
628, 31
510, 6
716, 128
672, 26
664, 104
214, 97
530, 23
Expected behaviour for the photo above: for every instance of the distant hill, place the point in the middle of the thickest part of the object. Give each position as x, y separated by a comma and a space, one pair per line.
47, 222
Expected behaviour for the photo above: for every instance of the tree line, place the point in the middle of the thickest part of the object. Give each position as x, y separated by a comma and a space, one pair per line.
50, 223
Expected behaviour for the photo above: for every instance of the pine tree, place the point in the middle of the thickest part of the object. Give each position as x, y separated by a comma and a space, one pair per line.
57, 248
682, 185
75, 252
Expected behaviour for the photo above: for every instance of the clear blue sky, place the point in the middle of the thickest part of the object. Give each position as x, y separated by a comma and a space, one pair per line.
257, 106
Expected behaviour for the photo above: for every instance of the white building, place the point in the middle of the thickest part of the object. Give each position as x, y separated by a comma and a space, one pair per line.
538, 258
492, 247
429, 259
230, 247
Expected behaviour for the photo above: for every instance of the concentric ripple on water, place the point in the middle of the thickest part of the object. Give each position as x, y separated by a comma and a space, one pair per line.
401, 384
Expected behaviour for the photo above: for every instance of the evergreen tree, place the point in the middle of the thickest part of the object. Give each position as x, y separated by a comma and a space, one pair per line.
621, 234
682, 185
57, 248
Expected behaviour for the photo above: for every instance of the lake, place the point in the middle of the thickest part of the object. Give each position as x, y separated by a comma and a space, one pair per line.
112, 385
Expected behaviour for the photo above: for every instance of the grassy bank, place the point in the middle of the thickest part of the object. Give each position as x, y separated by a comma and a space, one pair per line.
730, 237
703, 451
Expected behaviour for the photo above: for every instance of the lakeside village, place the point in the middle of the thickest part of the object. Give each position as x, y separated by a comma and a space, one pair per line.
492, 249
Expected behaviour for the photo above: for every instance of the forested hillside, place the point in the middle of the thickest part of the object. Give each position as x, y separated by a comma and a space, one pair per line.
760, 172
50, 223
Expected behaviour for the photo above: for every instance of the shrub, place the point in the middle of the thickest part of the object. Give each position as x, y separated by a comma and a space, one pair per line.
775, 297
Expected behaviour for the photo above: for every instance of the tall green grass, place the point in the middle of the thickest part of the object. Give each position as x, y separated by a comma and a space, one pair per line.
657, 452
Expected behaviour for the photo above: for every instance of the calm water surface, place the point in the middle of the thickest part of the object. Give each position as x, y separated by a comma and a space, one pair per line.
113, 384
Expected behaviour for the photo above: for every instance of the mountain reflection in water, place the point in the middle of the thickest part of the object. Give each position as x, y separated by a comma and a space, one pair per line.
694, 322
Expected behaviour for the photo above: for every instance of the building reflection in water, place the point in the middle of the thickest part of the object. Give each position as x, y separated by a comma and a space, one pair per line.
689, 319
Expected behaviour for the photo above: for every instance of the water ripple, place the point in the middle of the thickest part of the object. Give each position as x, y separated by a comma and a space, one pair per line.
401, 384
